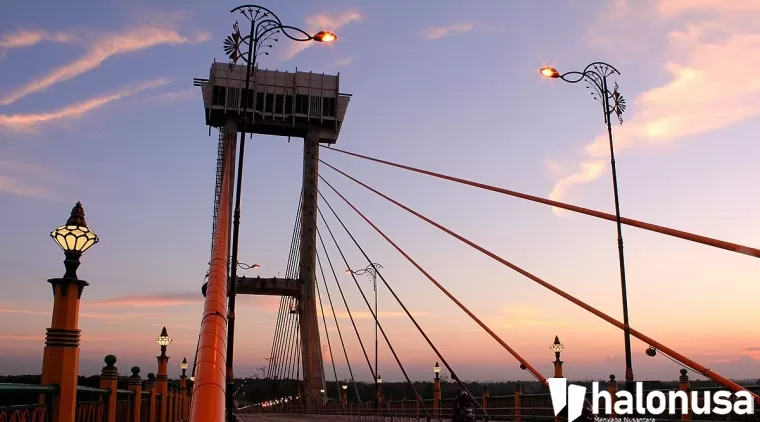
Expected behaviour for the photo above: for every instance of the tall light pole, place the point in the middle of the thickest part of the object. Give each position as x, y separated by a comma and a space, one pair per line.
595, 75
371, 271
264, 27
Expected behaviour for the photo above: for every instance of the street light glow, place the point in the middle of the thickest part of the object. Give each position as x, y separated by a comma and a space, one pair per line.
163, 340
325, 36
549, 72
557, 347
75, 236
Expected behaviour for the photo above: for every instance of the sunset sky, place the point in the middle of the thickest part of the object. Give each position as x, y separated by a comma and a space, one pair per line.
97, 105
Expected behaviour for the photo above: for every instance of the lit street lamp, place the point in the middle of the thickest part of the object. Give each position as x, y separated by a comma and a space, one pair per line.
371, 271
595, 75
557, 348
264, 26
244, 266
74, 238
61, 356
163, 340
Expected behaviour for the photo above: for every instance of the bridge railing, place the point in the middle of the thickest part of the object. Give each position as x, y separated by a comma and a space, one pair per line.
141, 402
519, 407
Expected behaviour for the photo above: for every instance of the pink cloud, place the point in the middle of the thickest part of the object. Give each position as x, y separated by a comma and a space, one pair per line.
104, 47
26, 122
148, 301
30, 37
438, 32
703, 54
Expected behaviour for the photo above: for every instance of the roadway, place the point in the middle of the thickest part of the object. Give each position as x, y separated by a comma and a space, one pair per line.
284, 417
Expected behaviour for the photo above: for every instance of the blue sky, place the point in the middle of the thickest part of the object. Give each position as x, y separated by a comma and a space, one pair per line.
97, 105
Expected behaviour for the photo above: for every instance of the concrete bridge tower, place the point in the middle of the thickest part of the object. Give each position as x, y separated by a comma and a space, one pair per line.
293, 104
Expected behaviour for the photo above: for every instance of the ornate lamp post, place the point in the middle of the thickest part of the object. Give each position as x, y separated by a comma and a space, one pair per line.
60, 361
344, 393
595, 75
436, 389
183, 388
264, 27
371, 271
162, 380
557, 348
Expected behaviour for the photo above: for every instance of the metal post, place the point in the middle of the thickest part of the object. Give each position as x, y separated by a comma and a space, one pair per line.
377, 372
595, 75
629, 384
232, 281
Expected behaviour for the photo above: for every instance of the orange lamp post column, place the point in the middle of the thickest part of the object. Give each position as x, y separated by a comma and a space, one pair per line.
183, 390
436, 390
612, 389
685, 386
162, 385
60, 360
344, 395
557, 348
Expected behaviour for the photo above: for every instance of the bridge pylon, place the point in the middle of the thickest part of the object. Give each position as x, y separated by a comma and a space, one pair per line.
293, 104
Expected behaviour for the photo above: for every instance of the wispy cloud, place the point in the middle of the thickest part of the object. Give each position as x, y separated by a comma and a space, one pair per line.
30, 37
343, 62
438, 32
175, 96
121, 316
751, 349
104, 47
25, 179
702, 55
149, 301
323, 22
22, 338
31, 121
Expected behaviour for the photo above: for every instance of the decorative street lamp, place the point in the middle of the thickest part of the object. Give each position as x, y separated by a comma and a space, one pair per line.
557, 348
264, 27
162, 378
60, 361
163, 340
371, 271
74, 238
436, 390
244, 266
595, 76
183, 366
